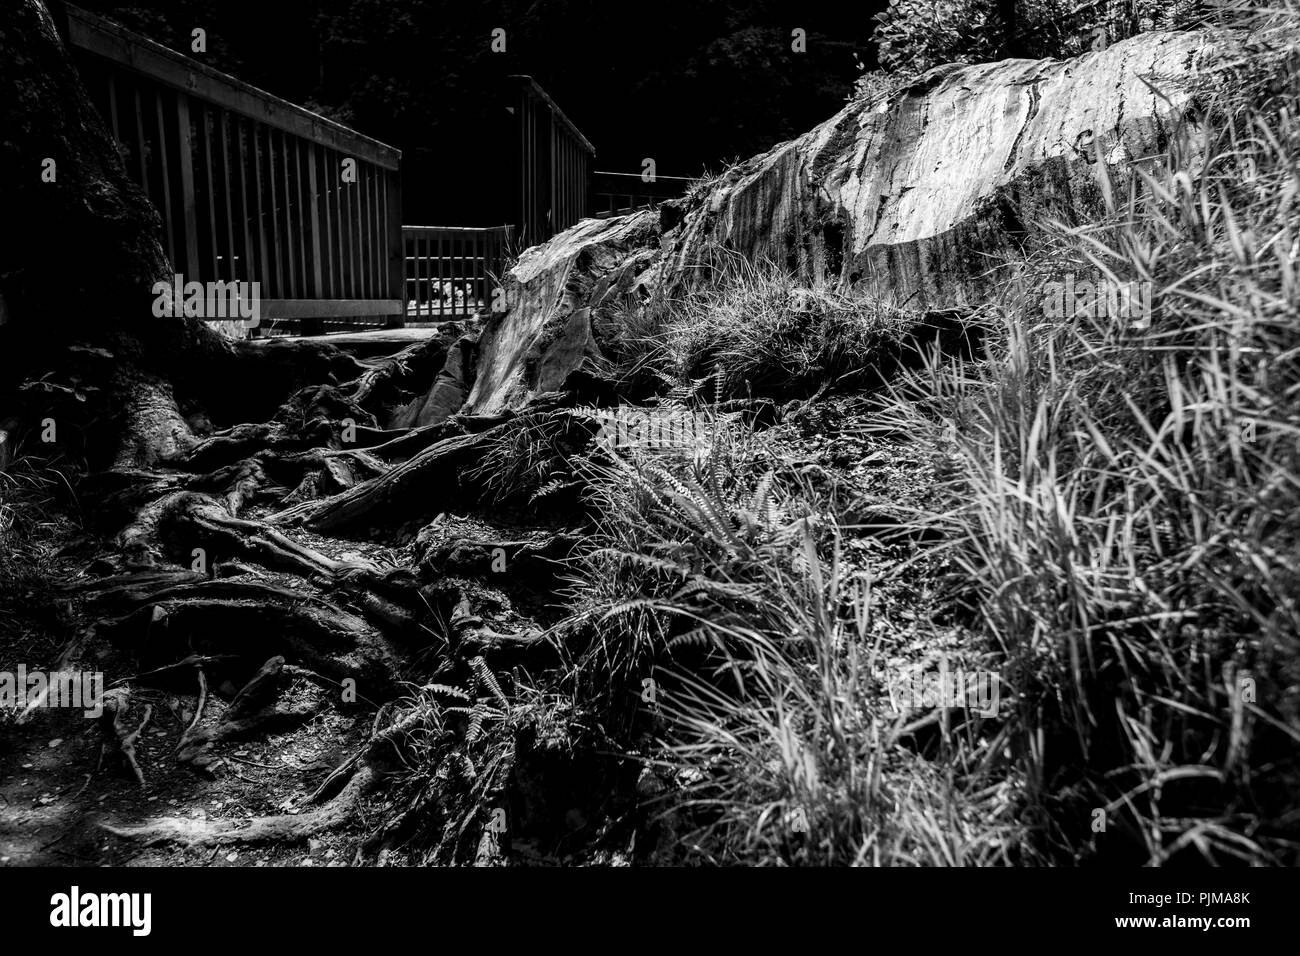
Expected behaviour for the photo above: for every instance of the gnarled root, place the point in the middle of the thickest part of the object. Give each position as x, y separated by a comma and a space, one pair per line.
252, 709
283, 827
118, 738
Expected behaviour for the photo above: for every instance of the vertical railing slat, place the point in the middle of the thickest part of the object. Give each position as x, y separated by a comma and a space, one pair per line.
345, 219
287, 247
223, 121
426, 287
414, 251
446, 274
354, 210
451, 272
327, 233
318, 287
269, 289
475, 264
336, 204
381, 246
140, 139
247, 260
277, 247
369, 225
434, 254
458, 273
293, 205
439, 258
372, 234
185, 155
431, 253
112, 107
382, 289
308, 229
410, 274
209, 185
356, 191
306, 211
165, 169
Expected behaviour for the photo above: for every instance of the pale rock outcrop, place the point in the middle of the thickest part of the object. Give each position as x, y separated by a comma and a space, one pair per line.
914, 199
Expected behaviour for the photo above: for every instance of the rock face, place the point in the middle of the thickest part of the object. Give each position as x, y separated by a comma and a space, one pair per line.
913, 199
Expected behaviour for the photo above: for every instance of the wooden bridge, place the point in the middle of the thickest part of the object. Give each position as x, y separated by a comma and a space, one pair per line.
251, 187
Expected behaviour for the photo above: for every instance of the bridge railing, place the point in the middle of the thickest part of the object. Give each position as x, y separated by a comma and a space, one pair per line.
616, 194
452, 271
554, 163
249, 186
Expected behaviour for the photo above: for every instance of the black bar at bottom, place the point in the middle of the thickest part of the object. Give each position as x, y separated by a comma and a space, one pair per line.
930, 908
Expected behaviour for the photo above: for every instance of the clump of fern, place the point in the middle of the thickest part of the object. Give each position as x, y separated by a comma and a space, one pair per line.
457, 748
529, 458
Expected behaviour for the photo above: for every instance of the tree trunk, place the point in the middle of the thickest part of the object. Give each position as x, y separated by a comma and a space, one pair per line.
80, 249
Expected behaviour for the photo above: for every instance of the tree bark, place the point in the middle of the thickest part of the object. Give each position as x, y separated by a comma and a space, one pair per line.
80, 250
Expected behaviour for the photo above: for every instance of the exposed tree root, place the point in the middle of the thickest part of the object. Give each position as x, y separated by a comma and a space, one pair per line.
133, 586
203, 698
388, 599
117, 738
198, 661
205, 432
363, 772
253, 619
429, 475
475, 637
398, 444
201, 585
283, 827
413, 367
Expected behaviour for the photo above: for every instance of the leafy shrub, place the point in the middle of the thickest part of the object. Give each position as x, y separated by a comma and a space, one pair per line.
914, 36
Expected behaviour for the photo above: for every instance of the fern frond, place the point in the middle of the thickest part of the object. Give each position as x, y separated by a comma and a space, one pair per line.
487, 679
446, 689
699, 637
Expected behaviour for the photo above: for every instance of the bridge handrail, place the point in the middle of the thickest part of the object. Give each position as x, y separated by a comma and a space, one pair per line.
531, 85
142, 55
